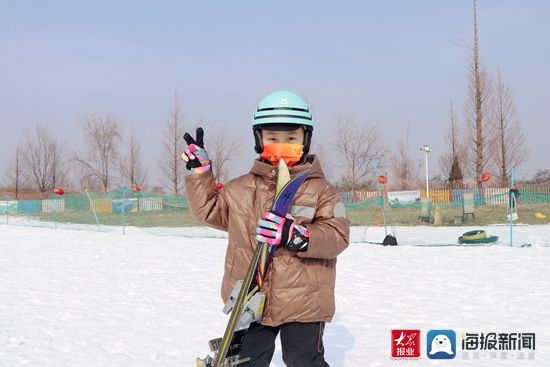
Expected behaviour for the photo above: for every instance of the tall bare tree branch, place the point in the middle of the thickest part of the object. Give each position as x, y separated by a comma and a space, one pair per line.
451, 161
508, 143
222, 148
15, 177
479, 93
102, 136
402, 164
44, 160
357, 144
477, 110
173, 145
131, 166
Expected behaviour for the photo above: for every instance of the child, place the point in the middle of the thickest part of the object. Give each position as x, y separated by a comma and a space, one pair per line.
299, 285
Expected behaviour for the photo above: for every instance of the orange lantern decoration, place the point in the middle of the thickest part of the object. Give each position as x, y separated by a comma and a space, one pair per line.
59, 191
382, 179
219, 186
485, 176
136, 188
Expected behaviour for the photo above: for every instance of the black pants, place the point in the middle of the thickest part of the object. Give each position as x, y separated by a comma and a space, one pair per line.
302, 344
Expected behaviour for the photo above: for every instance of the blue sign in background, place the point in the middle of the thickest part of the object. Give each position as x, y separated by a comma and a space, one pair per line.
440, 348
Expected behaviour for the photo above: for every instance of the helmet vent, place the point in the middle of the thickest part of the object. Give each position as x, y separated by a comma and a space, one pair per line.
283, 116
283, 108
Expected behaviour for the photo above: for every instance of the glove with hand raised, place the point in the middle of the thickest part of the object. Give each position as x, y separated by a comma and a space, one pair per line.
195, 156
282, 231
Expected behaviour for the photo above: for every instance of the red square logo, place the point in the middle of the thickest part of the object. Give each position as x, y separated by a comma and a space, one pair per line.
405, 344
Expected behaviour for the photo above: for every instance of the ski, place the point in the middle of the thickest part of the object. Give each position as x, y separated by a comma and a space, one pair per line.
246, 303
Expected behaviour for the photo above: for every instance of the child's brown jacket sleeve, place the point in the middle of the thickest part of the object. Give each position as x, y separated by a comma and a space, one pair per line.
207, 204
329, 231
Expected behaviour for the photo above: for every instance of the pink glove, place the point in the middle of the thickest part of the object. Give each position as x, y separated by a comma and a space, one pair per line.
195, 156
277, 230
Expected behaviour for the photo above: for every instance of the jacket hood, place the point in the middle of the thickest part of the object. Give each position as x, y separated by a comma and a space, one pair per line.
261, 168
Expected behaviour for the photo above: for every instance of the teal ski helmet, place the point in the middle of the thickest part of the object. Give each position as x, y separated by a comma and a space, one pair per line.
282, 110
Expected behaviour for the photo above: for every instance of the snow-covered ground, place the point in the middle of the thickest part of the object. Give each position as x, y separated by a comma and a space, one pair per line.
88, 298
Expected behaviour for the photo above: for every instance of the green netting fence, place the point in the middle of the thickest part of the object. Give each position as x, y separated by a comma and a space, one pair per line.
444, 207
449, 207
116, 208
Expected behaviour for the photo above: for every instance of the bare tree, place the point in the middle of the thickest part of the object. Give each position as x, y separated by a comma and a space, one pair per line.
450, 161
59, 165
479, 93
173, 146
478, 124
102, 136
131, 167
402, 164
357, 145
15, 177
542, 176
43, 158
222, 149
508, 143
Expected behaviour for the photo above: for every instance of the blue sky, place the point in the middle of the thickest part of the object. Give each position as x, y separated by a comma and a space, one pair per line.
394, 63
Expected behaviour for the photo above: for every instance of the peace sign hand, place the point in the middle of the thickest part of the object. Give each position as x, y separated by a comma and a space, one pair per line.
195, 156
199, 134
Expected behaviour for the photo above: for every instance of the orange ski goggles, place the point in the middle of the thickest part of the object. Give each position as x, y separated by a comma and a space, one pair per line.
290, 153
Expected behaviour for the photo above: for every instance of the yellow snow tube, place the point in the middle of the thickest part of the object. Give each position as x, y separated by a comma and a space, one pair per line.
474, 235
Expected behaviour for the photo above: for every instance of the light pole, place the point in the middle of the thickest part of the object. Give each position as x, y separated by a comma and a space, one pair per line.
426, 149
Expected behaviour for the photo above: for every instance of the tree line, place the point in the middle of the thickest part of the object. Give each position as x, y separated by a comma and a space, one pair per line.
489, 137
108, 159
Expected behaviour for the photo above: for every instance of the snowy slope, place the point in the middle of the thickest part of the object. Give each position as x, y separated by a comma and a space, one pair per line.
85, 298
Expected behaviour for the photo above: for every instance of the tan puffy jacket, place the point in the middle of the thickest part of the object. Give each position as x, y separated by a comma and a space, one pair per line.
299, 286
